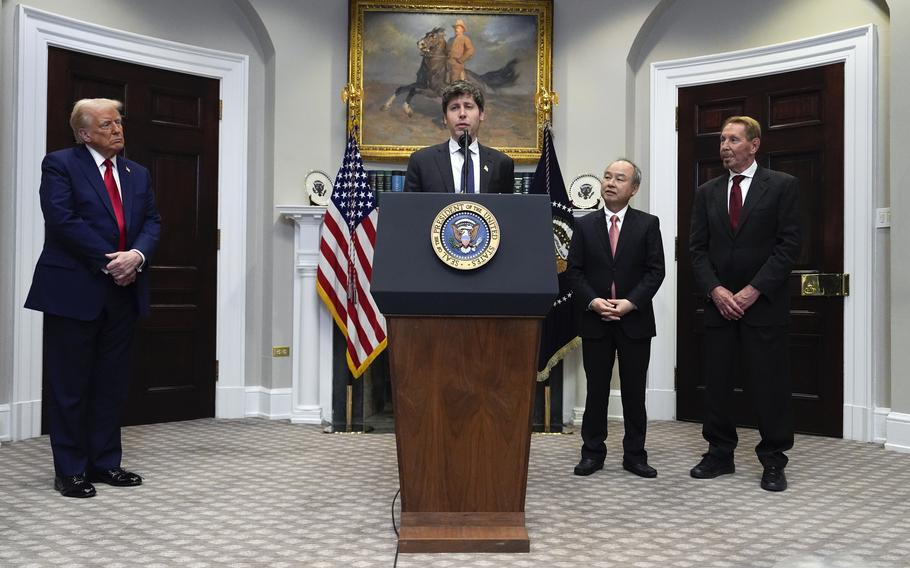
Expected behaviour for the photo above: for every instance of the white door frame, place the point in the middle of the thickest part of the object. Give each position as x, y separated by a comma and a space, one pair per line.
37, 30
857, 49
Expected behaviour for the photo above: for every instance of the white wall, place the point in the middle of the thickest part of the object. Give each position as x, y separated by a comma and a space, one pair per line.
602, 53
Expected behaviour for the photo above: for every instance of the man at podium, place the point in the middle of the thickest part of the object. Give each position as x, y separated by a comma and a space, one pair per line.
445, 167
615, 266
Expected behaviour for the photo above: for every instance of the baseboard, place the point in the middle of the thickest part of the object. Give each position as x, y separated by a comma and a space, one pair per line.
274, 404
614, 409
898, 432
661, 404
230, 402
5, 434
578, 414
880, 424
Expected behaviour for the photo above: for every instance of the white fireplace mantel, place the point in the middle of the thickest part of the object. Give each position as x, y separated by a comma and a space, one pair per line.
311, 351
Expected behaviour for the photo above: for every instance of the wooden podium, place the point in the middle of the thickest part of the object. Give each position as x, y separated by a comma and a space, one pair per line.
463, 357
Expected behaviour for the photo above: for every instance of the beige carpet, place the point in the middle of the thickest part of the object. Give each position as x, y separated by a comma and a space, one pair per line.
267, 493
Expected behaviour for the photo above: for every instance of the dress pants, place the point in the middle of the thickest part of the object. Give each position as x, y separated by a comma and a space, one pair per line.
87, 364
598, 356
762, 355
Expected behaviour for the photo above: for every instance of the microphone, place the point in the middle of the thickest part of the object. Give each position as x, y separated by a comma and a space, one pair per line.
464, 141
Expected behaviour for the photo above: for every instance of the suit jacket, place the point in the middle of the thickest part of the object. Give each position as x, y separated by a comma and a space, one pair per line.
761, 252
80, 228
430, 169
637, 269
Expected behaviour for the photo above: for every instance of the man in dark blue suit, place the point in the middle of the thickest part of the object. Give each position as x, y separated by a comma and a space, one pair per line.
101, 230
615, 266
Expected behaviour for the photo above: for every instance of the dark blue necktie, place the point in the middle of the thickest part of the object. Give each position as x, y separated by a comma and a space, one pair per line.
468, 168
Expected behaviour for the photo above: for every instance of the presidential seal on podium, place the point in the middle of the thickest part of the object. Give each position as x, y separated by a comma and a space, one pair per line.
465, 235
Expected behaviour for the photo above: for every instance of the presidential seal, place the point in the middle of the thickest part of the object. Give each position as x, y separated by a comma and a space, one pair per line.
465, 235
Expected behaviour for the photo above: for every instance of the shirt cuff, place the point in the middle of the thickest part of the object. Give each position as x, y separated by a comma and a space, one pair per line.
142, 265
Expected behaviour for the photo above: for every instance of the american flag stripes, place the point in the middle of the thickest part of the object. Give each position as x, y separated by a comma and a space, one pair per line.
346, 262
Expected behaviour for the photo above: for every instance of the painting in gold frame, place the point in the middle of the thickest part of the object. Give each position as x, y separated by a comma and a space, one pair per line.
394, 76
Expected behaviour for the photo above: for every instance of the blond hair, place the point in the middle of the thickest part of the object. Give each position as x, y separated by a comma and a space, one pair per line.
753, 128
79, 118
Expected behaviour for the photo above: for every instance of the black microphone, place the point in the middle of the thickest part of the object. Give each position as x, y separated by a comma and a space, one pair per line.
464, 141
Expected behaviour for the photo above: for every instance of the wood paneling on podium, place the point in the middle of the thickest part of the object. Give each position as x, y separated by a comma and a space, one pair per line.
463, 362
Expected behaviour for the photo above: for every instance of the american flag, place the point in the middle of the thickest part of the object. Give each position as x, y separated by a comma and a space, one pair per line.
346, 262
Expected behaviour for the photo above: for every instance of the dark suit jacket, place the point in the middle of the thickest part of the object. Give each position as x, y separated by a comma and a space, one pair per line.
430, 169
638, 270
80, 228
761, 252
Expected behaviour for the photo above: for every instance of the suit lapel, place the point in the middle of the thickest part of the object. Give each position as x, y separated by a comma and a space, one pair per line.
718, 195
93, 175
126, 191
628, 227
603, 230
486, 163
444, 163
757, 190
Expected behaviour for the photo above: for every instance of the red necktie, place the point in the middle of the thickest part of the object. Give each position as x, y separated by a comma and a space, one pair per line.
736, 201
614, 238
114, 194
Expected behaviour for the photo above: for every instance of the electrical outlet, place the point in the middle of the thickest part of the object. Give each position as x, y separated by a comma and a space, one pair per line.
882, 217
281, 351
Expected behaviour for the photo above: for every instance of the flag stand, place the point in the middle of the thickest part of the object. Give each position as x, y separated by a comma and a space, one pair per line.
349, 426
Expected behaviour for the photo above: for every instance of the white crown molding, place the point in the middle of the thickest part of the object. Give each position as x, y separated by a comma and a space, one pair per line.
36, 31
857, 49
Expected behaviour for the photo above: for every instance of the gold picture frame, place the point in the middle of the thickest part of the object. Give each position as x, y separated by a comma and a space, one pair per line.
394, 52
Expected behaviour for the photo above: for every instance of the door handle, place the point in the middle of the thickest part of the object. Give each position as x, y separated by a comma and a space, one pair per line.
824, 284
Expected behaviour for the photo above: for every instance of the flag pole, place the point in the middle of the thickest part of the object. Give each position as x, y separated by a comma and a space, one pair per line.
546, 407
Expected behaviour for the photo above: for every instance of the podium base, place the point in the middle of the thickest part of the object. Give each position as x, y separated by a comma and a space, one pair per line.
342, 429
463, 532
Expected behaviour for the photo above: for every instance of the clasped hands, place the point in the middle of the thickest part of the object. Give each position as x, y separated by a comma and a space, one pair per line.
123, 266
733, 306
612, 309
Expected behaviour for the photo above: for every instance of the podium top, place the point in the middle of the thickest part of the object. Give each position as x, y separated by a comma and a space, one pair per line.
409, 279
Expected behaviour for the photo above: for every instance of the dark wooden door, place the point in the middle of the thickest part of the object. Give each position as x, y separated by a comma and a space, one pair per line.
802, 118
171, 127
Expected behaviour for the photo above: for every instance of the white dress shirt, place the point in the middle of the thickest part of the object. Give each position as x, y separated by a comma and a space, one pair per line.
458, 163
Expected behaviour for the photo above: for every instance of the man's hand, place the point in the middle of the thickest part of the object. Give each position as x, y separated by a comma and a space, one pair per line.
611, 310
123, 265
727, 304
746, 297
618, 308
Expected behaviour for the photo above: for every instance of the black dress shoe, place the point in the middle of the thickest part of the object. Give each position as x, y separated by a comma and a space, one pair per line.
587, 466
641, 469
117, 477
74, 486
711, 466
773, 479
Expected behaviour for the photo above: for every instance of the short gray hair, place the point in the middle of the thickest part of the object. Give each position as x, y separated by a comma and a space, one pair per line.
636, 171
78, 118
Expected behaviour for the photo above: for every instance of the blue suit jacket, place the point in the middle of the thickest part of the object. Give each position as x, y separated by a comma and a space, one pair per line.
80, 228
